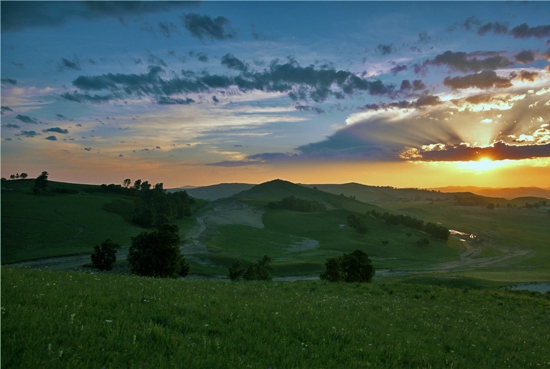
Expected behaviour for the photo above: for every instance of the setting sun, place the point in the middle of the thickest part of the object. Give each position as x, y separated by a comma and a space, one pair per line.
481, 165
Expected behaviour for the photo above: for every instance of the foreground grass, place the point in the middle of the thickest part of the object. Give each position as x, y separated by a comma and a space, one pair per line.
83, 320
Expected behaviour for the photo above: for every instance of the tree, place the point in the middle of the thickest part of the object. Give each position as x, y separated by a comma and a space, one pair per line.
104, 255
126, 183
236, 270
157, 253
354, 267
41, 183
357, 267
490, 206
258, 271
332, 270
23, 175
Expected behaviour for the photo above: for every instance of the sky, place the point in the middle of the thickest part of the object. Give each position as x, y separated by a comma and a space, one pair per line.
403, 94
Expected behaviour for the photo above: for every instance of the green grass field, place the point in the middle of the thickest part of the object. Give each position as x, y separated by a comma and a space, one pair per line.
299, 243
44, 226
99, 320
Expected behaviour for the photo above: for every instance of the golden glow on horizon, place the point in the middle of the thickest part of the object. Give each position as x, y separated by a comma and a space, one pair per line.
481, 165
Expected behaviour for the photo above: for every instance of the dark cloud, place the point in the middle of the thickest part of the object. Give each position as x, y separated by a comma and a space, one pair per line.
6, 108
202, 57
215, 99
416, 85
9, 125
496, 27
29, 133
398, 68
309, 108
231, 62
26, 119
17, 15
385, 49
525, 75
466, 62
470, 23
95, 99
497, 151
61, 117
483, 80
422, 101
205, 27
164, 100
87, 149
299, 82
56, 130
51, 138
9, 81
68, 64
524, 57
166, 29
424, 38
524, 31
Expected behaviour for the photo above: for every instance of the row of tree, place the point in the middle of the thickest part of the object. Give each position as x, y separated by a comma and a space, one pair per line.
153, 206
18, 176
432, 229
296, 204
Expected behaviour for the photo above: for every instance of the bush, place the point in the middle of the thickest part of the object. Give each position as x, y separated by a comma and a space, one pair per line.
423, 241
354, 267
104, 255
157, 253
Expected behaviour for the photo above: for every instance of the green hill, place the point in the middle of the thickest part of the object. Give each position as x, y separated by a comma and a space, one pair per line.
218, 191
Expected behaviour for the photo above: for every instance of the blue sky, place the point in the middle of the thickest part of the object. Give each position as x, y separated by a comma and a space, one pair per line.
420, 94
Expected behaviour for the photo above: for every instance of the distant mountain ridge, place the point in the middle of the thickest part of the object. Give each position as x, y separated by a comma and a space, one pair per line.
375, 194
507, 193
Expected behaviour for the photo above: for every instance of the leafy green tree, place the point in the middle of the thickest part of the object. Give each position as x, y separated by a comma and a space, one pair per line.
259, 271
41, 183
23, 175
157, 253
332, 271
353, 267
126, 183
236, 270
104, 255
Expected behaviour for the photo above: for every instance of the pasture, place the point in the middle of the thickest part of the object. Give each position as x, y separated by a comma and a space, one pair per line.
91, 320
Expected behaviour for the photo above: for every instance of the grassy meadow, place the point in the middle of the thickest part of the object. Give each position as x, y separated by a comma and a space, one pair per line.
63, 224
59, 319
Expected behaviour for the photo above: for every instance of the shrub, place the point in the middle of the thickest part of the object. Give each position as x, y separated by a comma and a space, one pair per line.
354, 267
423, 241
104, 255
157, 253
